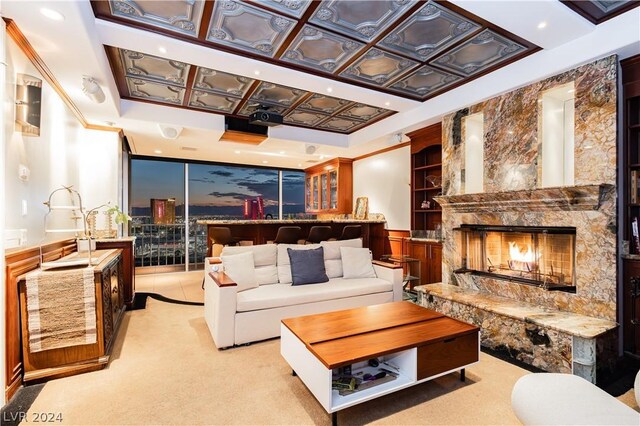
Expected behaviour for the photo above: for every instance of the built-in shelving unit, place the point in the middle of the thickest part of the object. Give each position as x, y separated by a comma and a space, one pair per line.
426, 164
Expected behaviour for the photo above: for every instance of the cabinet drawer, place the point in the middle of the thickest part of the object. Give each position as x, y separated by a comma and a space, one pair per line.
447, 355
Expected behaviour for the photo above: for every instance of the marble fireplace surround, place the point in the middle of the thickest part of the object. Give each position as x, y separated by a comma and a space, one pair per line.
513, 196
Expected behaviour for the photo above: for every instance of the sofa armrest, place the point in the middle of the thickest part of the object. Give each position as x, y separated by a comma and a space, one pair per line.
222, 279
220, 302
392, 273
213, 260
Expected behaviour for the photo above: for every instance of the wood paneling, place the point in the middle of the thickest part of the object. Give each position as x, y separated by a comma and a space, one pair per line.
430, 256
448, 353
396, 242
242, 137
426, 160
19, 262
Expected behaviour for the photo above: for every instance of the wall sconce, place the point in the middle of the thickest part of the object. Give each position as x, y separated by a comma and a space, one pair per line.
28, 104
92, 89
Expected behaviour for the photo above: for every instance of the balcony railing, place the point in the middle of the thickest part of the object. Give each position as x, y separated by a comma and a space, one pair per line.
165, 245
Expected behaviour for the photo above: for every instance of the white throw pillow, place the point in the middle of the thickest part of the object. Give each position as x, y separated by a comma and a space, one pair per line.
356, 263
240, 268
332, 257
264, 259
284, 264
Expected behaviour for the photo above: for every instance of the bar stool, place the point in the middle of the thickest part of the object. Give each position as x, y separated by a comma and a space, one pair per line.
222, 236
288, 235
318, 234
351, 232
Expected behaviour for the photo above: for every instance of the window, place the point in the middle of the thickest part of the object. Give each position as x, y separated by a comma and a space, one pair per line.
214, 191
292, 194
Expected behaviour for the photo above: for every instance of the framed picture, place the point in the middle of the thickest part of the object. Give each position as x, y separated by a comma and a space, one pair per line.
361, 210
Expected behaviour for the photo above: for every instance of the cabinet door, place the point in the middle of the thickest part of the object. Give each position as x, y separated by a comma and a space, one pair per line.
324, 190
333, 189
420, 251
307, 193
315, 192
435, 263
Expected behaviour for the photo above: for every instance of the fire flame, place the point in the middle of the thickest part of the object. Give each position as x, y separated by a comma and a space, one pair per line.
520, 255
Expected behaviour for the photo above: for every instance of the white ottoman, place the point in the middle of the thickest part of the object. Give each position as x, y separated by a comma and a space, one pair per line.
565, 399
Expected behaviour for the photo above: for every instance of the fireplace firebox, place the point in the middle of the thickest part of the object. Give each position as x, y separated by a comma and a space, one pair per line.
541, 256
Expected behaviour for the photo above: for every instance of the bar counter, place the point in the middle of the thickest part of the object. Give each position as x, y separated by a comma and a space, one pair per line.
261, 231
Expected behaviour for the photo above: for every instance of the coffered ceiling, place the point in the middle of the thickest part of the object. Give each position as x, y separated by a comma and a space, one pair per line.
160, 80
598, 11
408, 48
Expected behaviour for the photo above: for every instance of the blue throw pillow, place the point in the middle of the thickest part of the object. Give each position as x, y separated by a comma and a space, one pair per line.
307, 266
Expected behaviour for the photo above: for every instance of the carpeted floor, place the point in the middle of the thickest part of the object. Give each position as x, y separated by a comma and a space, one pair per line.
166, 370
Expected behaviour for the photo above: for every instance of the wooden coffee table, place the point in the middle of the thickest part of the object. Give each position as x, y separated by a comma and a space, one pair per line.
415, 343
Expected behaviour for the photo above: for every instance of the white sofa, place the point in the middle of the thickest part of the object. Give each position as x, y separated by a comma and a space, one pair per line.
565, 399
236, 318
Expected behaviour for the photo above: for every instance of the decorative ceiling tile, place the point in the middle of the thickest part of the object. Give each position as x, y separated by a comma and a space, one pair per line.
213, 102
180, 16
320, 49
140, 65
339, 124
609, 5
217, 81
159, 92
304, 118
248, 28
295, 8
275, 94
478, 53
428, 31
251, 105
363, 20
377, 67
363, 112
424, 81
322, 103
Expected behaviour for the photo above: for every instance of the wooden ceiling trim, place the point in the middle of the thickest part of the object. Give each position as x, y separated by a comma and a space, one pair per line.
189, 85
246, 97
206, 19
23, 44
592, 13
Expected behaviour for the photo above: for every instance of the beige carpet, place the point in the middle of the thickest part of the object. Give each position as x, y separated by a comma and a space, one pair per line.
183, 286
166, 370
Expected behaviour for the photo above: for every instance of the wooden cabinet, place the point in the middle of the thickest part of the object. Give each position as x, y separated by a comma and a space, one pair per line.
446, 355
430, 255
426, 177
329, 187
631, 306
128, 265
80, 358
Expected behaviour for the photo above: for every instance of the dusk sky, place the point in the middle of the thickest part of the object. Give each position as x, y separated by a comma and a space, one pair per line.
214, 189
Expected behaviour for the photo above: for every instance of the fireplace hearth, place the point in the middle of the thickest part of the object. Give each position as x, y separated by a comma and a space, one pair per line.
540, 256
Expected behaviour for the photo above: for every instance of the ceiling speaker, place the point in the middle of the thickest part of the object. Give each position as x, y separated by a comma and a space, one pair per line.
169, 132
310, 149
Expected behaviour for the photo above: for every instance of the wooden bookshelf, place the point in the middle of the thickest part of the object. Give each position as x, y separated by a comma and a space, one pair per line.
426, 160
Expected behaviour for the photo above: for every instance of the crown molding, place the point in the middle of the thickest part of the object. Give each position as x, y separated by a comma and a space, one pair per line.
18, 37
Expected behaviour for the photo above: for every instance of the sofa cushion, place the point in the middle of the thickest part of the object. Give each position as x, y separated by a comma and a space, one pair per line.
332, 257
279, 295
356, 263
284, 264
264, 258
307, 266
239, 267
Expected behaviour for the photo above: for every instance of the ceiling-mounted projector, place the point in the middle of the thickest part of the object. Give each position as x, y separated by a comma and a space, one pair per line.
263, 117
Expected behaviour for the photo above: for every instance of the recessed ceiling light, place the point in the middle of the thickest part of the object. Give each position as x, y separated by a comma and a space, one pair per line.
283, 152
542, 25
329, 89
322, 157
157, 151
299, 164
162, 49
236, 151
264, 161
52, 14
257, 72
387, 103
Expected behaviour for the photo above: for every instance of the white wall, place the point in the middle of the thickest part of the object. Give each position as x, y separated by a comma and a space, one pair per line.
558, 136
474, 154
65, 153
386, 179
